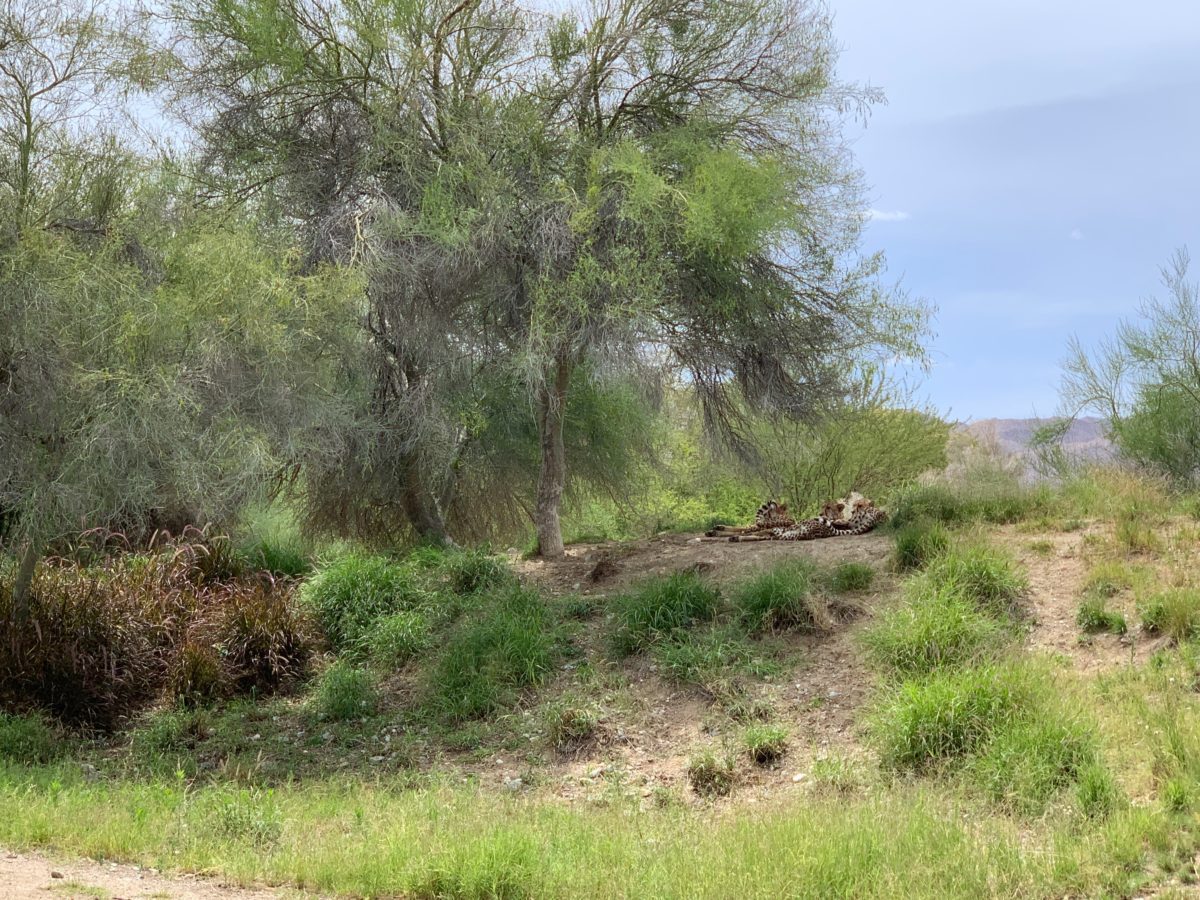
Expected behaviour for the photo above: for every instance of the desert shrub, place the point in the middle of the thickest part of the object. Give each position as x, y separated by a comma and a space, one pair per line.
704, 656
508, 645
1029, 762
919, 543
711, 774
400, 637
934, 628
1174, 613
196, 676
344, 691
778, 598
472, 571
1094, 616
570, 724
29, 740
659, 607
765, 743
351, 594
948, 714
263, 634
983, 575
851, 576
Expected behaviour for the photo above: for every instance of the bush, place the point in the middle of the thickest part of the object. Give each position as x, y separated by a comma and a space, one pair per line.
935, 628
711, 775
509, 645
1094, 616
400, 637
263, 635
350, 595
28, 740
196, 677
659, 608
707, 656
473, 571
1027, 764
918, 544
1174, 613
345, 692
778, 598
948, 714
765, 743
851, 576
982, 575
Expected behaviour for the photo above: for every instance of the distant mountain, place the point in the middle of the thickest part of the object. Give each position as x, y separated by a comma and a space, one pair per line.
1085, 439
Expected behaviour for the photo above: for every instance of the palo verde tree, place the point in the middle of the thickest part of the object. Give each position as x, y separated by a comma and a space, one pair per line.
149, 358
1145, 380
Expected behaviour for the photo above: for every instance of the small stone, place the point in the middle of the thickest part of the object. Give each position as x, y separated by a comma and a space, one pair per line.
799, 777
596, 772
513, 784
56, 874
376, 759
833, 695
256, 737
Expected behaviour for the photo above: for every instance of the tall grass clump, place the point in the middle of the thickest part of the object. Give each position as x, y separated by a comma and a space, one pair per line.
984, 575
1094, 617
508, 645
1107, 579
780, 597
473, 571
659, 607
948, 714
851, 576
350, 595
708, 656
344, 691
28, 740
400, 637
1174, 613
1029, 763
919, 544
933, 628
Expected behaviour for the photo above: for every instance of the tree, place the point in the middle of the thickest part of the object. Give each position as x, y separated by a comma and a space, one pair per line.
1145, 380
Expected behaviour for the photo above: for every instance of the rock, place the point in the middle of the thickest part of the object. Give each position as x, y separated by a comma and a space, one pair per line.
799, 777
513, 784
56, 874
377, 759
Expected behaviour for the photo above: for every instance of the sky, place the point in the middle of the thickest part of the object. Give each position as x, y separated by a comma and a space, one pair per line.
1036, 163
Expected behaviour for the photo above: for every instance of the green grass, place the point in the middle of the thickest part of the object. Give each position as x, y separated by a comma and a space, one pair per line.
708, 656
659, 607
351, 594
983, 575
712, 773
1094, 617
397, 639
1107, 579
765, 744
849, 577
777, 599
933, 628
344, 692
1174, 613
919, 544
28, 739
509, 644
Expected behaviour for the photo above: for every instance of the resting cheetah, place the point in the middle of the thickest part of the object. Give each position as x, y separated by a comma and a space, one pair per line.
846, 517
768, 516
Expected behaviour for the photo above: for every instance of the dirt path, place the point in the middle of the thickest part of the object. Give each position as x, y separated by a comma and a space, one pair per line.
24, 876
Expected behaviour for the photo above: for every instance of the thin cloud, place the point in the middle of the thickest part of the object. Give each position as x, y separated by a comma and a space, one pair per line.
879, 215
1076, 234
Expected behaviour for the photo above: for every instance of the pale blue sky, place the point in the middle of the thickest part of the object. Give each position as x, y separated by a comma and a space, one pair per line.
1036, 162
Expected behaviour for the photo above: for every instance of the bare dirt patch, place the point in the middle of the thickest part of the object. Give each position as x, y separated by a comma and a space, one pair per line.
25, 876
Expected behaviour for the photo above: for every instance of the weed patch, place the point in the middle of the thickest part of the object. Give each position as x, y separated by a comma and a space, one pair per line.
779, 598
661, 607
1174, 613
934, 628
919, 544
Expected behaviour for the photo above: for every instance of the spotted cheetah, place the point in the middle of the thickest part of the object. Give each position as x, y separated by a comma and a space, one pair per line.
847, 517
769, 515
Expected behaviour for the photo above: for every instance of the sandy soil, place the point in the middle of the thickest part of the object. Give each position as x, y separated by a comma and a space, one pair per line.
26, 876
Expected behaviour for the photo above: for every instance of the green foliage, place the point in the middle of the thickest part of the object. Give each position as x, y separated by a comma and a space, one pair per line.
570, 724
1096, 791
473, 571
1095, 616
936, 627
779, 598
919, 543
708, 656
248, 816
1107, 579
399, 638
712, 774
1028, 763
982, 493
351, 594
849, 577
171, 731
507, 645
981, 574
1174, 612
949, 714
344, 691
765, 743
29, 739
659, 607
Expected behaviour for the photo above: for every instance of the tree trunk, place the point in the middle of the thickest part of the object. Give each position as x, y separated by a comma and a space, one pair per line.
423, 510
552, 476
21, 600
